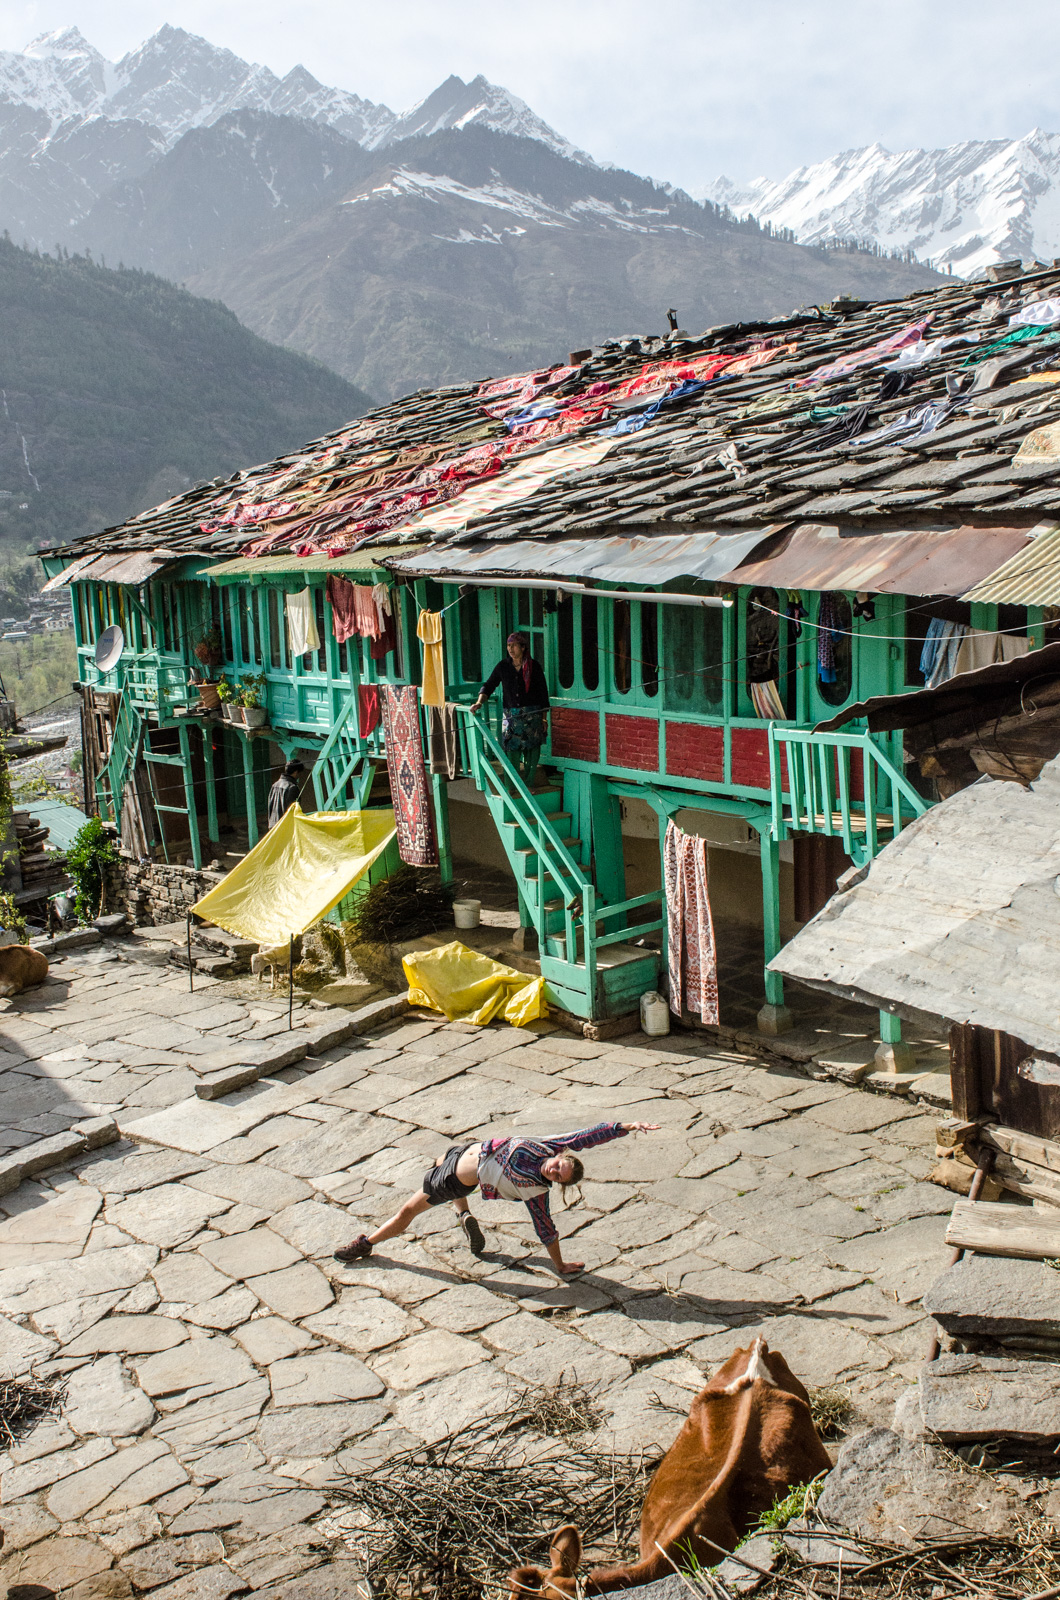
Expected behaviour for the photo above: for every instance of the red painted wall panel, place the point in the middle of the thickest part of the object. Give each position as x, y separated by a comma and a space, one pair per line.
633, 742
695, 751
575, 734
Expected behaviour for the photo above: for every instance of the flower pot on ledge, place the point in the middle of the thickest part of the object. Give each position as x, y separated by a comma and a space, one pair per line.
254, 716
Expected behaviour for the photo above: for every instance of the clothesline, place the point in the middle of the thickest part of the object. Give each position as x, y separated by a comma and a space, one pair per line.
887, 638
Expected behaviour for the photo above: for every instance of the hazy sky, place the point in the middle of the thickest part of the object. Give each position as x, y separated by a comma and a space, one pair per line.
680, 89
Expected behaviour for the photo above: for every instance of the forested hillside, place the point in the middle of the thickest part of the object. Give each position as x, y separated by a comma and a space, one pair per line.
117, 389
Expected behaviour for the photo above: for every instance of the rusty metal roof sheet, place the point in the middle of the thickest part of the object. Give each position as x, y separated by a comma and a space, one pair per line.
128, 567
648, 559
957, 916
243, 567
902, 560
1031, 577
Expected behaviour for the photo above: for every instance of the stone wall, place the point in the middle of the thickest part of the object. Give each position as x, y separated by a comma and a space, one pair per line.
152, 892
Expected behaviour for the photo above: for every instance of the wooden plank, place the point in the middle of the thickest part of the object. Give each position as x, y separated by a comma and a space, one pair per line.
1004, 1230
1036, 1183
1023, 1146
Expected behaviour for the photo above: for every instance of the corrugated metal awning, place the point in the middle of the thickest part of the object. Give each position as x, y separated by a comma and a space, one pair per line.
1030, 578
132, 567
900, 561
63, 822
243, 567
649, 559
962, 692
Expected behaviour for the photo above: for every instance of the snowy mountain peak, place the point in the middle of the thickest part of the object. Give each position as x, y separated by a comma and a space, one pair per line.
456, 104
61, 43
962, 208
177, 80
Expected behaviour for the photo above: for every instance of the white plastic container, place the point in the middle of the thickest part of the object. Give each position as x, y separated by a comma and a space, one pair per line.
654, 1015
466, 913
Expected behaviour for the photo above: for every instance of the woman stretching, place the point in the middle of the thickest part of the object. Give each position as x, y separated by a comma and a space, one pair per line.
524, 696
504, 1169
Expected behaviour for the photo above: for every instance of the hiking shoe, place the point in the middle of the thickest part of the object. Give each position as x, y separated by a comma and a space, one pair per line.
475, 1237
356, 1251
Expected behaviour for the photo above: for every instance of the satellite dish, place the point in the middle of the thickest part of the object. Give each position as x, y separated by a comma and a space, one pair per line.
109, 647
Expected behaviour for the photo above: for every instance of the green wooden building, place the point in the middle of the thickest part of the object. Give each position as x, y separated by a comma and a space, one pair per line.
716, 545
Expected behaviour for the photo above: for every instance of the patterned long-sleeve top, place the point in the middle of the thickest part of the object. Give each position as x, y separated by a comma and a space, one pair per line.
510, 1169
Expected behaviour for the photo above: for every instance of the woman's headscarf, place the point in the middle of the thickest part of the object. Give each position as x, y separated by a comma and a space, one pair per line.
524, 639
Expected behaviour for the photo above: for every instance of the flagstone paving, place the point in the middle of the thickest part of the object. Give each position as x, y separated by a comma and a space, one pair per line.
224, 1372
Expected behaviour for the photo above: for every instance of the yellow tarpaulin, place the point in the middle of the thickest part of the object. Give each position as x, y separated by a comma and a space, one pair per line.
468, 987
297, 872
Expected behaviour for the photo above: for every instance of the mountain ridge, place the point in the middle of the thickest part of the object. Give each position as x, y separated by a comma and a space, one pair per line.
959, 209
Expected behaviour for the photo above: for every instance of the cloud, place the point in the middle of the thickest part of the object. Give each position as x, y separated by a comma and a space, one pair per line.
682, 89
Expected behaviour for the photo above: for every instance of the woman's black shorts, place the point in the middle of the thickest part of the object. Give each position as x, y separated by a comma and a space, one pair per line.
441, 1182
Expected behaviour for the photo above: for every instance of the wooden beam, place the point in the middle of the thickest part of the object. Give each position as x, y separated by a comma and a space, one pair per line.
964, 1072
1004, 1230
1023, 1147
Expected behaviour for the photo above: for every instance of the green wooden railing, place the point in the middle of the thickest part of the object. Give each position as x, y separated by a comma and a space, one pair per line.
343, 759
554, 884
812, 791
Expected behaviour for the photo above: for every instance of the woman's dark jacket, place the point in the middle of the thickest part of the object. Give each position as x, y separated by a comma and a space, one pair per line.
513, 687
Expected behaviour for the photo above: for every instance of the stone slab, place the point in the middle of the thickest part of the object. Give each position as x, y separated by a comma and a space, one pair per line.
327, 1035
167, 1216
293, 1292
132, 1336
996, 1296
899, 1492
964, 1397
313, 1431
100, 1400
33, 1288
206, 1366
192, 1125
251, 1255
254, 1184
322, 1377
269, 1055
425, 1357
362, 1321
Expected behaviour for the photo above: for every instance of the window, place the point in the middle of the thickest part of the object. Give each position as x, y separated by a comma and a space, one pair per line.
694, 662
590, 641
762, 651
241, 597
835, 655
277, 654
470, 637
622, 646
318, 612
565, 641
227, 639
649, 647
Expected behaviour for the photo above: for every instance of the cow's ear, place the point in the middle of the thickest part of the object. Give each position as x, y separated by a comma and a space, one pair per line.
566, 1550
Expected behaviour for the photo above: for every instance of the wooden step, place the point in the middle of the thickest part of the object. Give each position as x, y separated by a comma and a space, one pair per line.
531, 850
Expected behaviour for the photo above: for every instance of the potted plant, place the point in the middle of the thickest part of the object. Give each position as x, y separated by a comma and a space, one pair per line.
251, 698
226, 694
208, 649
209, 698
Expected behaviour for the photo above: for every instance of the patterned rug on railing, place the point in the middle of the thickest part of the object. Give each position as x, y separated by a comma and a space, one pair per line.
408, 778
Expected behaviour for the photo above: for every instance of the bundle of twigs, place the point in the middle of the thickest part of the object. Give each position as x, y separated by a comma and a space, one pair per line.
406, 904
1023, 1565
451, 1519
22, 1404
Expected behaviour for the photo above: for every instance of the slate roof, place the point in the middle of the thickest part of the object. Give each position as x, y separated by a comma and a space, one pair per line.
794, 407
956, 917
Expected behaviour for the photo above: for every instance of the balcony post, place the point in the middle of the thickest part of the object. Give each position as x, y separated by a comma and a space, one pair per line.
774, 1017
893, 1054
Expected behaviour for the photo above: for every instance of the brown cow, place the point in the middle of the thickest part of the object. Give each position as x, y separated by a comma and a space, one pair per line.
21, 968
748, 1440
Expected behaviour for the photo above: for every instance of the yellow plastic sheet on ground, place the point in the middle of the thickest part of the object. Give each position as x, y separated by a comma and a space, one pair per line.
297, 872
468, 987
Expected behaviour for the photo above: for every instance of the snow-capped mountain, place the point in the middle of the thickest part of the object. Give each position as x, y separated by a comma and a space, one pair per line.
177, 81
959, 209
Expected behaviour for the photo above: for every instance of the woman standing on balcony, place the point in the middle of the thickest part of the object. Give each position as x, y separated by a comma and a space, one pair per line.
524, 696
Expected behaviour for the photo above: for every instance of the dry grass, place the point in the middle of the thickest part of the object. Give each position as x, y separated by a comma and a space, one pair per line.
832, 1411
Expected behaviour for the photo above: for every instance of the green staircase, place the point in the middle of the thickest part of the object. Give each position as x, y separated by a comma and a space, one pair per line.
343, 765
815, 789
589, 971
121, 758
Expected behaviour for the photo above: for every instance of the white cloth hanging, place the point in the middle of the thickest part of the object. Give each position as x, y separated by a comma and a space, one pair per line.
302, 622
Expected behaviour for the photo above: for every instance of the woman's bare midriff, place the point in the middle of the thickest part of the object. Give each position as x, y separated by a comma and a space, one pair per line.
467, 1166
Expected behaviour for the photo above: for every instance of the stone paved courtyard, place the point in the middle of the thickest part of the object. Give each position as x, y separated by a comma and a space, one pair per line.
223, 1373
